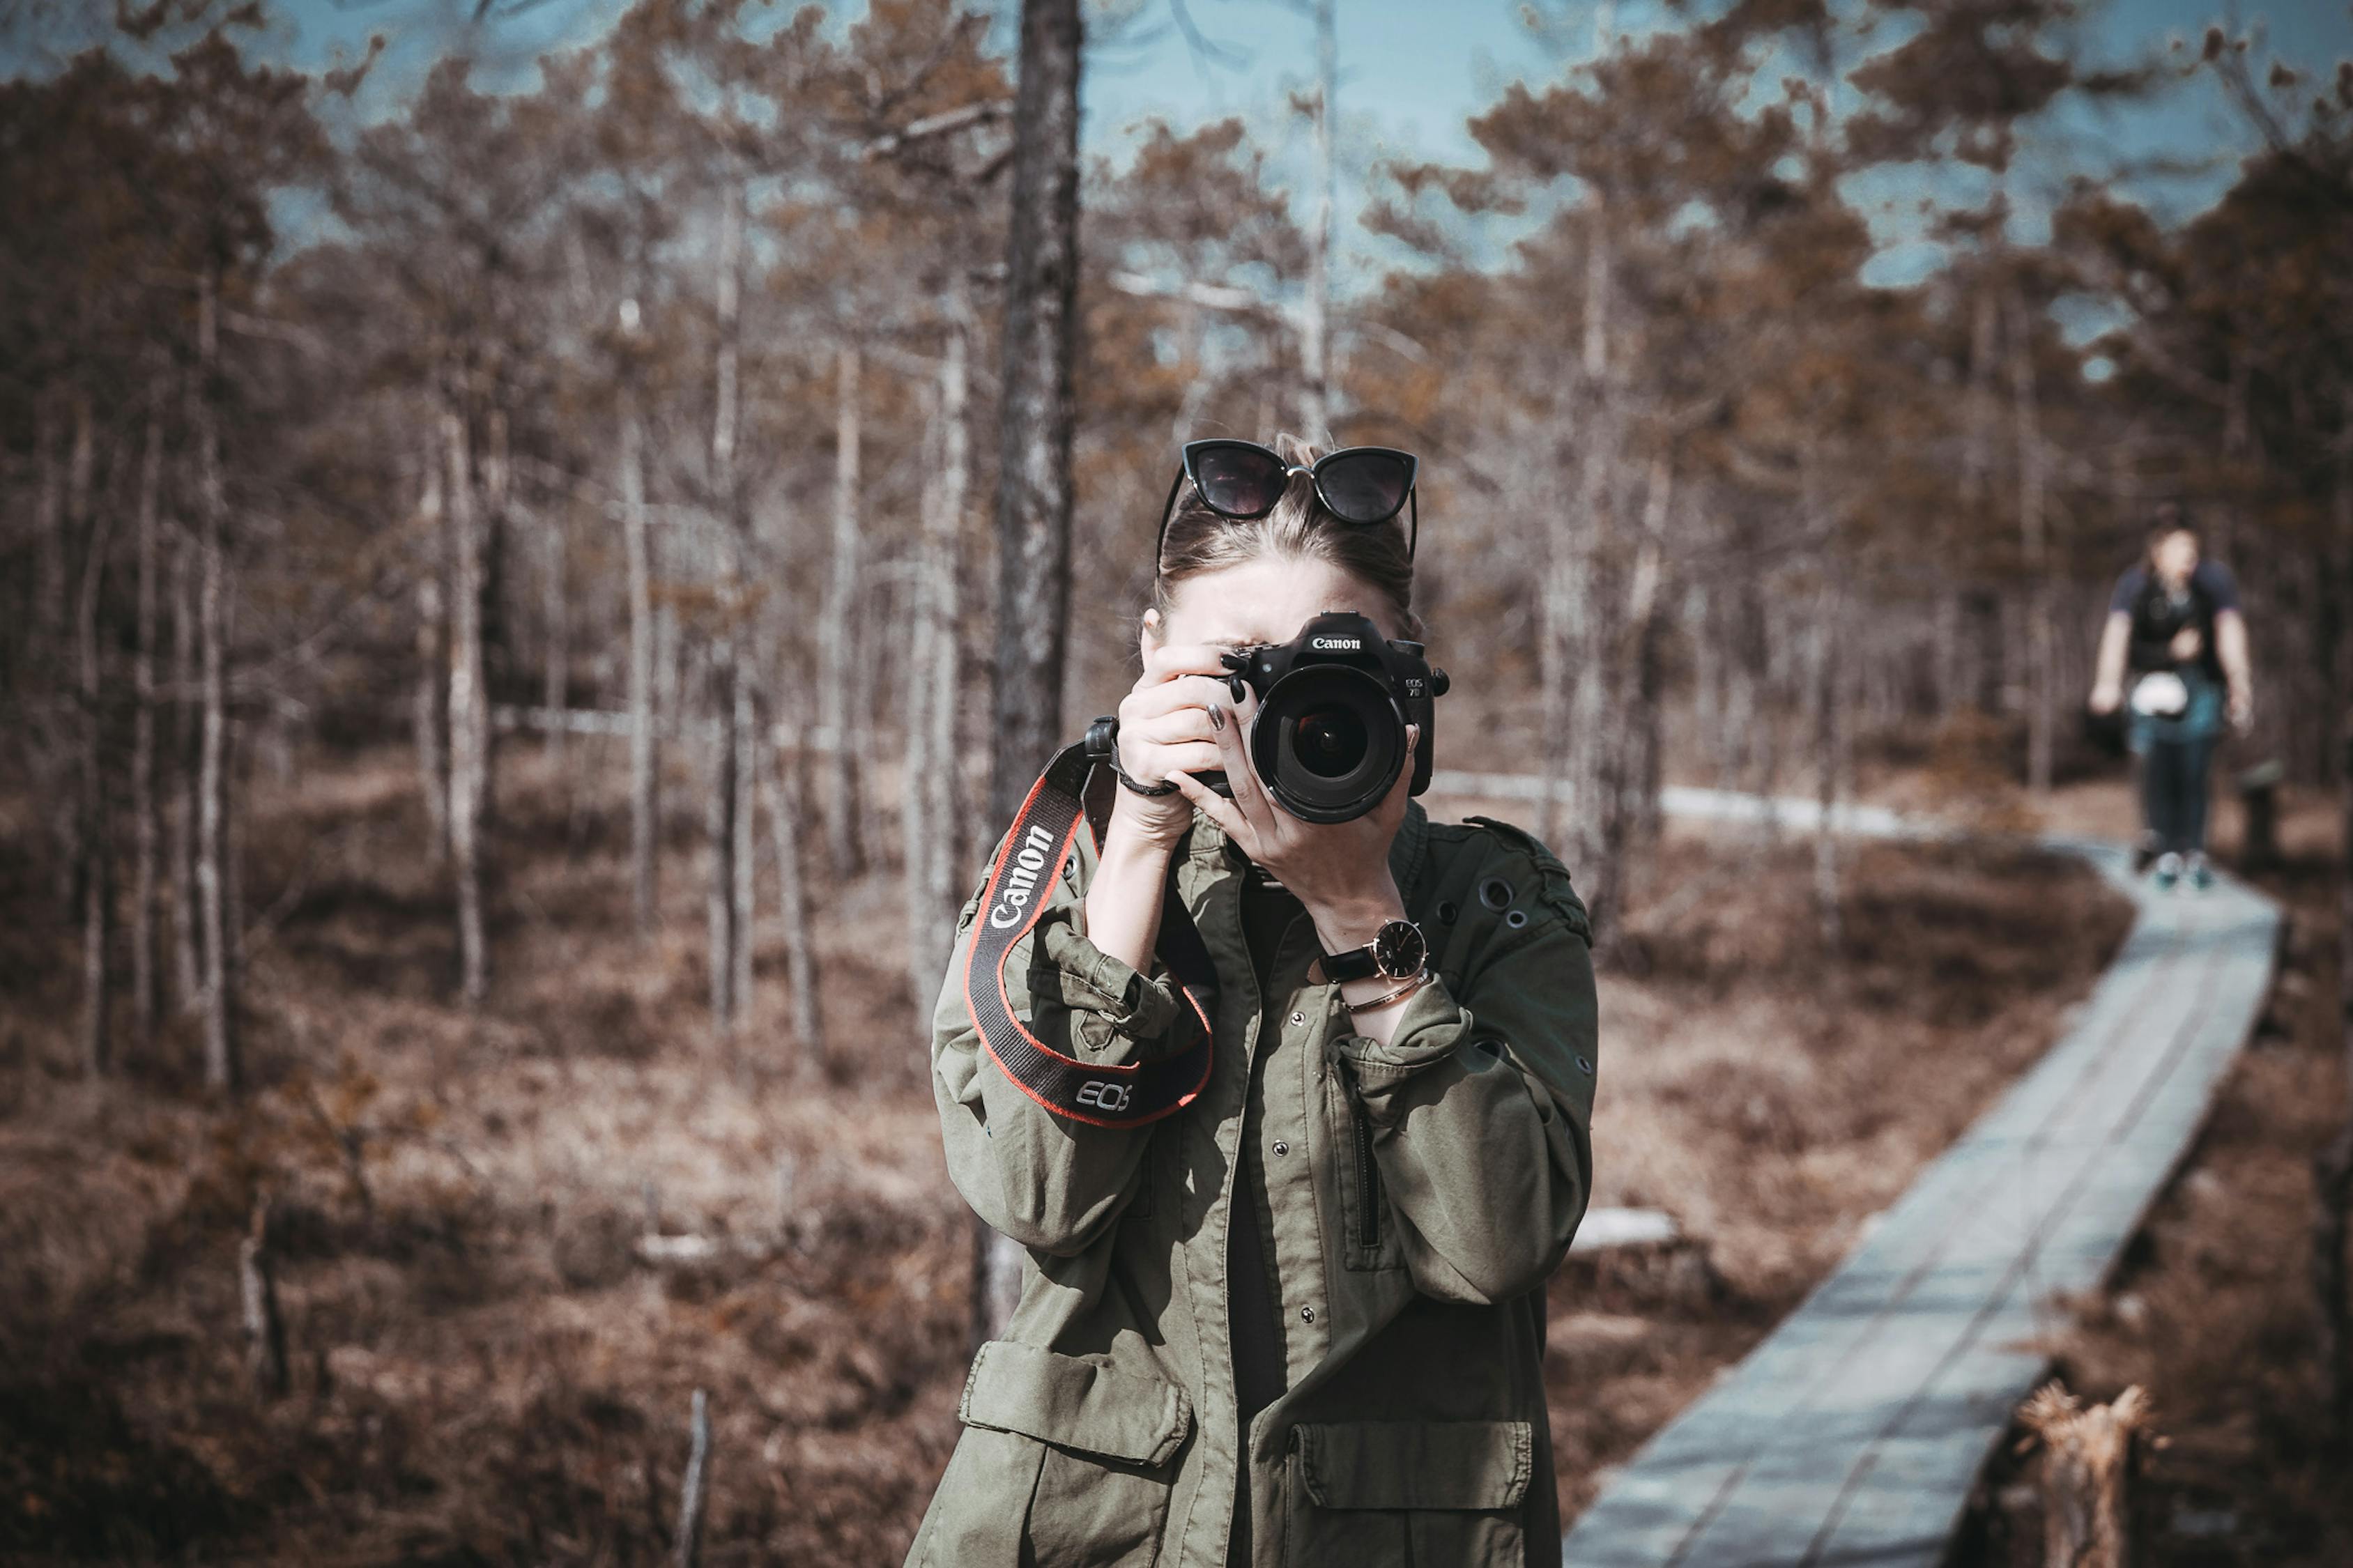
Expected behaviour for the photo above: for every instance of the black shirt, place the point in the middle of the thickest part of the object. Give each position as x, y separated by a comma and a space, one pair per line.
1255, 1328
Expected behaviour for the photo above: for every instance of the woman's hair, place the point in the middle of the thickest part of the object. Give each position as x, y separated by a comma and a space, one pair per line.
1199, 542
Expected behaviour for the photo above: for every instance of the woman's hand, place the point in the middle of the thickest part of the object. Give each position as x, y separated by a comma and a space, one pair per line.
1339, 870
1165, 731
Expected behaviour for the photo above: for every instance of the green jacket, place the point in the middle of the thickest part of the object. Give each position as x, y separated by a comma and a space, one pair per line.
1422, 1192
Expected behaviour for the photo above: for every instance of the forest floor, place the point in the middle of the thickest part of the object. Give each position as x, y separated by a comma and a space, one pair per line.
486, 1367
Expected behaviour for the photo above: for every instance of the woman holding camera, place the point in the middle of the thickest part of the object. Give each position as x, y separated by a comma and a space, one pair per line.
1295, 1313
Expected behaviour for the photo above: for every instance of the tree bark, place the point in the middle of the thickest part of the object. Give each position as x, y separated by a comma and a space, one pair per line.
1829, 731
644, 742
222, 1068
744, 734
935, 676
719, 830
429, 707
786, 821
1314, 319
2089, 1461
694, 1488
94, 837
469, 711
265, 1325
1035, 419
146, 828
836, 635
1581, 627
730, 817
188, 922
2043, 696
555, 627
2333, 1171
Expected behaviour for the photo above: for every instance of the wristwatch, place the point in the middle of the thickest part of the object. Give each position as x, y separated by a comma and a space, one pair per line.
1396, 952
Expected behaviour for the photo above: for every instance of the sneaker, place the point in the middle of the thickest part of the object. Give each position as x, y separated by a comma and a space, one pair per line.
2168, 872
2202, 874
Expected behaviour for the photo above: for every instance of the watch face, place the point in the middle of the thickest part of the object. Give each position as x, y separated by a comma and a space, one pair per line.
1400, 950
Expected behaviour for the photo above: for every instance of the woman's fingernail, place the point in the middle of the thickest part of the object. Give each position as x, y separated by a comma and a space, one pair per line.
1216, 717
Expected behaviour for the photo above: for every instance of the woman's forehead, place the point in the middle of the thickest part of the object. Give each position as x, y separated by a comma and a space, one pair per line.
1266, 600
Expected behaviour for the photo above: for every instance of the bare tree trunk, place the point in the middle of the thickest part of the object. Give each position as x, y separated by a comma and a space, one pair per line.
933, 799
644, 743
69, 798
1570, 672
470, 710
730, 818
1314, 345
2089, 1461
146, 828
743, 806
719, 829
50, 587
1967, 680
1035, 422
265, 1325
1632, 791
490, 526
187, 923
555, 625
223, 1069
94, 835
429, 707
2042, 699
2333, 1170
51, 732
694, 1488
836, 641
787, 823
1830, 653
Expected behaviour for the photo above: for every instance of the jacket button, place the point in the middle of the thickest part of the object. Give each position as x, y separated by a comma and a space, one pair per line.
1299, 1017
1281, 1148
1306, 1314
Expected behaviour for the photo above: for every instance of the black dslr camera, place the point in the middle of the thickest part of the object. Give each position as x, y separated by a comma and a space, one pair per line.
1334, 702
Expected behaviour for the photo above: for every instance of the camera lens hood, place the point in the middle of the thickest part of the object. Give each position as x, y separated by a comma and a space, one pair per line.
1328, 742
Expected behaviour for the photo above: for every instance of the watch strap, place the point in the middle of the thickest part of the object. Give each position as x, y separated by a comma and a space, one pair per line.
1355, 963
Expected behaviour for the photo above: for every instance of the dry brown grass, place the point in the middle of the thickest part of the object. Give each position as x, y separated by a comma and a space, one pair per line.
484, 1371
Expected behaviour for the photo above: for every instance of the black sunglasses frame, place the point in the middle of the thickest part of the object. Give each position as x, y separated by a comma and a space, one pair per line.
1410, 503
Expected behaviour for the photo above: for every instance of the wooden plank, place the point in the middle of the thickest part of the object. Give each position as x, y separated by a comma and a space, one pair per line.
1855, 1433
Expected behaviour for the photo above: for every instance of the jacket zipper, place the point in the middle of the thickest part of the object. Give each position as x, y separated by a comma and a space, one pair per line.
1368, 1179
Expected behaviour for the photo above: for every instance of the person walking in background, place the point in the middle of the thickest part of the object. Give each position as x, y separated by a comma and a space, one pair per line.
2174, 653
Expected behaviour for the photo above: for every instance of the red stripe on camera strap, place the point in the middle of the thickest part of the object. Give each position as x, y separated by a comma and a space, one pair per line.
1028, 865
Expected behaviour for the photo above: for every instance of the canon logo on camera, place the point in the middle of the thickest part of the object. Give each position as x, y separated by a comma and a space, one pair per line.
1331, 645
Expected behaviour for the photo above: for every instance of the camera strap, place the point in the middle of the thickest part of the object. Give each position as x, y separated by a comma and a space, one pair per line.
1030, 860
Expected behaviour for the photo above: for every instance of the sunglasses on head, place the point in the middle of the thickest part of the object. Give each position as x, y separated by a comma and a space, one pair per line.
1243, 480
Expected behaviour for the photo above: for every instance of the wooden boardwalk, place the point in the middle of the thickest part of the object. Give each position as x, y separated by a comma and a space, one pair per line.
1854, 1435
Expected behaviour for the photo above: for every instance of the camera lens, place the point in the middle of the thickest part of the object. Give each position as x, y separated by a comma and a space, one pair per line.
1329, 742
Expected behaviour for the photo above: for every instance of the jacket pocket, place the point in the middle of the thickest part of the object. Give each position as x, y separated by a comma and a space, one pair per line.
1423, 1492
1105, 1444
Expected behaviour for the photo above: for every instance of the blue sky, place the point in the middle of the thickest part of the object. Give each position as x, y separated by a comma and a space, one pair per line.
1413, 72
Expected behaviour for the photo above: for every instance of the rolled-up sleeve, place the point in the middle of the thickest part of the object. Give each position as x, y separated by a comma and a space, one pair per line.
1482, 1107
1048, 1182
